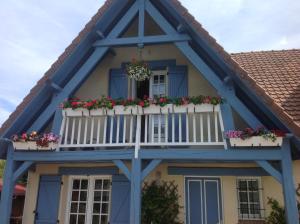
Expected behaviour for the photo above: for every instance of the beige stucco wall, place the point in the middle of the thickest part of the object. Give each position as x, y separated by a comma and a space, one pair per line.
228, 183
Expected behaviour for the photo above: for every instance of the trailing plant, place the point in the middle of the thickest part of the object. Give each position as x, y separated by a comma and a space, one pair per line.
260, 131
138, 70
2, 166
41, 140
160, 203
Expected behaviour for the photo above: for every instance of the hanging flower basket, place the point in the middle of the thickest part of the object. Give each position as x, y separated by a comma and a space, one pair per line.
138, 70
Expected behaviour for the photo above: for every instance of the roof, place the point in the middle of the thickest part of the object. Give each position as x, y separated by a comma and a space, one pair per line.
19, 190
240, 66
277, 80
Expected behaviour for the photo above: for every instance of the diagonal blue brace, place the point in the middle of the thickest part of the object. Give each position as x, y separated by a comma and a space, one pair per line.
8, 187
270, 169
21, 170
290, 202
123, 167
151, 166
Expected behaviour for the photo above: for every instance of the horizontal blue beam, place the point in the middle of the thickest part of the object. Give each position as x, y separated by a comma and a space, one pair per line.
217, 171
74, 156
248, 154
88, 170
144, 40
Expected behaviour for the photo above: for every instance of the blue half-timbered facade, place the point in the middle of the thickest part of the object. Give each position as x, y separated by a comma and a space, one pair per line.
96, 173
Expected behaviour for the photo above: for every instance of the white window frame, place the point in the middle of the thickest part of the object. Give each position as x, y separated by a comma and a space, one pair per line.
260, 194
90, 196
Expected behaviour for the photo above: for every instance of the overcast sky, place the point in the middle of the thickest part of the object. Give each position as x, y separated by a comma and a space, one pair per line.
34, 33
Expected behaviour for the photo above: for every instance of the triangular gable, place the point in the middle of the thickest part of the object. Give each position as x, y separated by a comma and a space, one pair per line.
175, 22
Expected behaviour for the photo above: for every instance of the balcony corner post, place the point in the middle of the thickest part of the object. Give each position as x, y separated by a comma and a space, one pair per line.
292, 215
136, 189
8, 187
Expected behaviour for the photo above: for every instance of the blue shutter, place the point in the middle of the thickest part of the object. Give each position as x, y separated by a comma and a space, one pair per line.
118, 88
48, 200
120, 200
178, 87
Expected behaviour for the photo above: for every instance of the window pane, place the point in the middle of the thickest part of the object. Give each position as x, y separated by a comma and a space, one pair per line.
96, 208
75, 195
104, 208
74, 207
254, 197
83, 195
244, 208
105, 196
162, 79
73, 219
242, 185
104, 219
254, 209
96, 219
76, 184
84, 184
98, 184
97, 196
253, 185
106, 184
243, 197
155, 78
81, 219
82, 207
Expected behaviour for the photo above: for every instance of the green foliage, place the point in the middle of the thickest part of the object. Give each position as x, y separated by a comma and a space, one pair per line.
2, 165
277, 215
160, 203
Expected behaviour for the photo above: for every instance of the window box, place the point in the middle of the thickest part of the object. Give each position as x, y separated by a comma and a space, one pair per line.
80, 112
31, 145
156, 109
122, 110
206, 108
189, 108
255, 141
98, 112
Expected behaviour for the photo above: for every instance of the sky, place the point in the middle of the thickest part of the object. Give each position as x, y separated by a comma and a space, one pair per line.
33, 33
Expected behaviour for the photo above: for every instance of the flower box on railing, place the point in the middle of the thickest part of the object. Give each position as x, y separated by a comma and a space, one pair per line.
31, 145
69, 112
255, 141
191, 108
123, 110
156, 109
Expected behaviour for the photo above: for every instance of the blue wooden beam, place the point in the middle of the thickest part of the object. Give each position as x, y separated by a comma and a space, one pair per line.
22, 169
247, 154
290, 202
8, 187
84, 71
271, 170
151, 166
123, 168
141, 18
217, 171
57, 121
204, 69
227, 117
136, 189
54, 86
74, 156
128, 41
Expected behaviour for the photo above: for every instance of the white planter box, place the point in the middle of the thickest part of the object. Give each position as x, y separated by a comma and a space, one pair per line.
98, 112
156, 109
189, 108
69, 112
206, 108
255, 141
122, 110
30, 145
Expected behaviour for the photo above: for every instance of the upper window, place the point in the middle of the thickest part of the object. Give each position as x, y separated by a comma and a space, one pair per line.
249, 198
89, 200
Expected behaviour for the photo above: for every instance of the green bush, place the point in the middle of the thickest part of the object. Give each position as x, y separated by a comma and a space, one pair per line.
160, 203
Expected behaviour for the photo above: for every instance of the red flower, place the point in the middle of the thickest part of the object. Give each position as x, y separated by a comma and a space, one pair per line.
24, 136
142, 103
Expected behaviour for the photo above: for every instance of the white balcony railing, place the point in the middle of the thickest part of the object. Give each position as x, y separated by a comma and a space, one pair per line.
189, 125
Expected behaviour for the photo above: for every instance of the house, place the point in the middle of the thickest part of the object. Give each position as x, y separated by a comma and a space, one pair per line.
96, 173
18, 203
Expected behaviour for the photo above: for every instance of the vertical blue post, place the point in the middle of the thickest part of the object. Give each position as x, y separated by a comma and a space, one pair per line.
57, 121
8, 187
291, 210
227, 116
136, 189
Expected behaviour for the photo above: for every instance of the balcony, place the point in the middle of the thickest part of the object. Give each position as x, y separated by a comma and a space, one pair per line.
133, 126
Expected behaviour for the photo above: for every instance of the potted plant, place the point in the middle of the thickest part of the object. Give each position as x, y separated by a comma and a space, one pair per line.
34, 141
260, 137
74, 108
